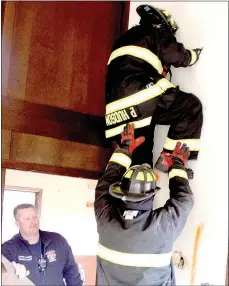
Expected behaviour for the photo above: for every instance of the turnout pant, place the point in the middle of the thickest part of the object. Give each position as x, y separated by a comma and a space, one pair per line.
185, 117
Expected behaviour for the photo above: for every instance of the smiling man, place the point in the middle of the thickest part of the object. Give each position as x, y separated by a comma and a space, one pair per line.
44, 257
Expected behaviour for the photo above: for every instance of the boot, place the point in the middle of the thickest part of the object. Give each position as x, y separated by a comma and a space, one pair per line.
165, 161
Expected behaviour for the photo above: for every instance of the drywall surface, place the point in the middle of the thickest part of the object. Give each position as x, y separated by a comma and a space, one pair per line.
202, 24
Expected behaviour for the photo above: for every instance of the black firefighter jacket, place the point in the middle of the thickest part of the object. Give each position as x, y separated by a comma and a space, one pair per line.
136, 72
138, 251
60, 260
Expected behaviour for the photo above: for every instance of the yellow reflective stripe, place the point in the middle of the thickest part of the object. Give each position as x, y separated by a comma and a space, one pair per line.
165, 12
138, 52
139, 97
128, 174
193, 58
137, 124
121, 159
140, 176
178, 173
134, 260
149, 178
193, 144
154, 176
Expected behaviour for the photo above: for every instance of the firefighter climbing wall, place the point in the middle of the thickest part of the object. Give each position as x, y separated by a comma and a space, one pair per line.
202, 25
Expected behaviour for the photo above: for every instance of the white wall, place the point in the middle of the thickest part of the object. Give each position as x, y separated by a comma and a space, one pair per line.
203, 24
64, 207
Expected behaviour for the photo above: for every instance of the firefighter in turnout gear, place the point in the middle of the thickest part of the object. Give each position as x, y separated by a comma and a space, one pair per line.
138, 91
135, 241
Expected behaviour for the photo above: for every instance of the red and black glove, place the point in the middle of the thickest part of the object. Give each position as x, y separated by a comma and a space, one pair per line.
180, 153
127, 138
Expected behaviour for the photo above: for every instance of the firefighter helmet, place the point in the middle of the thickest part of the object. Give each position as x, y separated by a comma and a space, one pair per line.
137, 184
156, 16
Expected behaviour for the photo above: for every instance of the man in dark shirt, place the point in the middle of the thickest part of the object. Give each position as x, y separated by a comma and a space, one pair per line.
44, 257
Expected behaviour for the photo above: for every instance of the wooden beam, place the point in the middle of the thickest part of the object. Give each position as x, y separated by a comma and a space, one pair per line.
63, 171
8, 18
3, 8
39, 119
53, 152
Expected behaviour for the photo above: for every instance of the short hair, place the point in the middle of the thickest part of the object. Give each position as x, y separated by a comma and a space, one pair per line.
21, 207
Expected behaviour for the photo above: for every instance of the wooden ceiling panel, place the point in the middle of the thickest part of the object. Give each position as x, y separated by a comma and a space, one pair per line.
54, 57
6, 141
48, 151
59, 52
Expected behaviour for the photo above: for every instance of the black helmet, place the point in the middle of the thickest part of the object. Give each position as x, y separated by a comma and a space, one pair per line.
151, 15
137, 184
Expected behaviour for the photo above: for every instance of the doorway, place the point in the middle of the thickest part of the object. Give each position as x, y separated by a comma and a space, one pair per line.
13, 196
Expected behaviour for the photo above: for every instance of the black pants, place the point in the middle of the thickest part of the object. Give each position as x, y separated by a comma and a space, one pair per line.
185, 118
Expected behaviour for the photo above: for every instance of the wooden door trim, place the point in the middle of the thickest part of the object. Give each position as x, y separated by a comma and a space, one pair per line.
3, 8
38, 195
22, 189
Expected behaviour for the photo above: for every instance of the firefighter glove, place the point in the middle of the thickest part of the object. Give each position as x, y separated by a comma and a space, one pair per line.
181, 153
127, 138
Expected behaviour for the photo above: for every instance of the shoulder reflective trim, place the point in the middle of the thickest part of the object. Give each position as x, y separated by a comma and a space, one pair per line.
178, 173
146, 94
121, 159
193, 57
193, 144
137, 124
134, 260
138, 52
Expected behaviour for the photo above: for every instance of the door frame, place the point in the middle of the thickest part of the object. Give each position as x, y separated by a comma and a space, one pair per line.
38, 195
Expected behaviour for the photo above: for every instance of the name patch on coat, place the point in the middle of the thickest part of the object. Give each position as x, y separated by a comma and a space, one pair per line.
124, 115
25, 258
